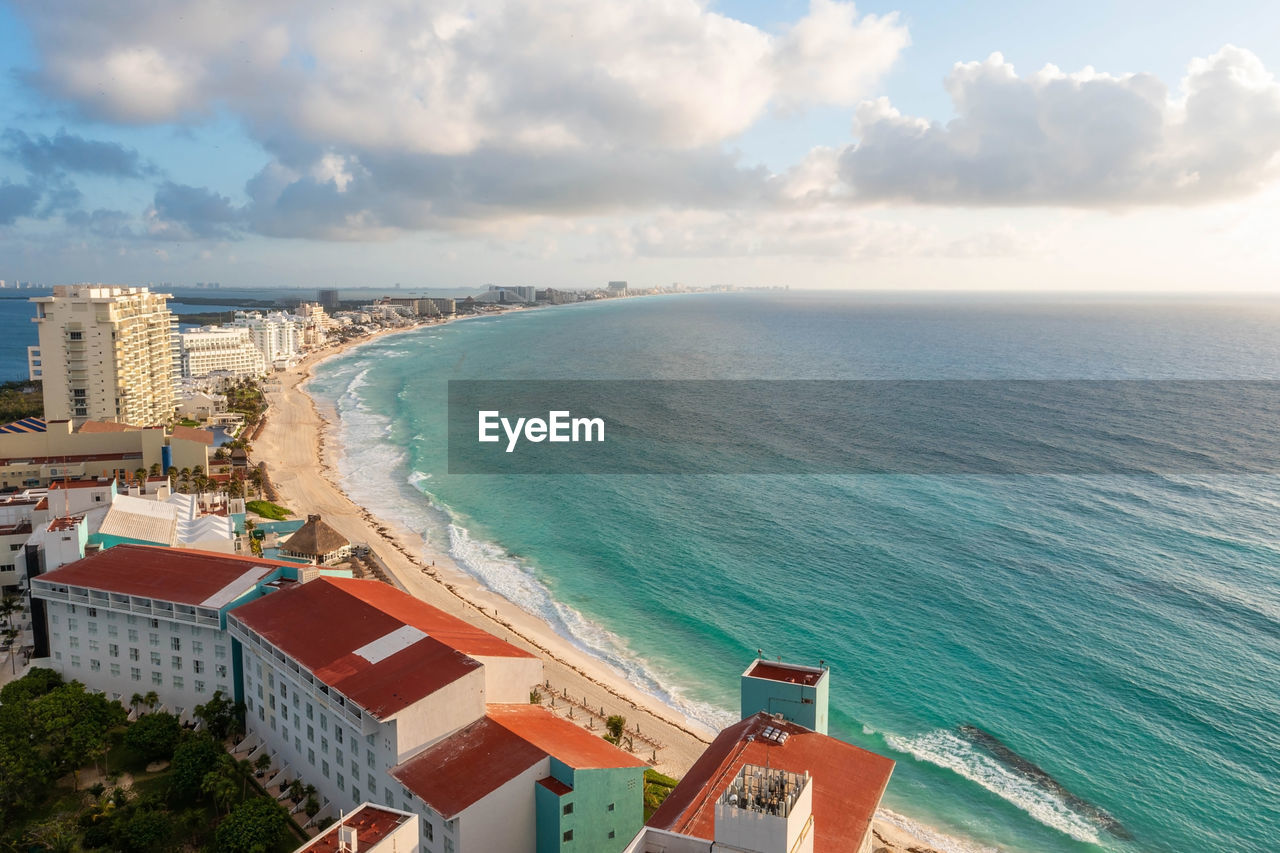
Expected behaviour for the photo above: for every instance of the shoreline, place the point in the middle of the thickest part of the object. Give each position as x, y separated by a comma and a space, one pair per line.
296, 443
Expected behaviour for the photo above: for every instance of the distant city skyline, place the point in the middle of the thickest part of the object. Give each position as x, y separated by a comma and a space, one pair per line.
904, 145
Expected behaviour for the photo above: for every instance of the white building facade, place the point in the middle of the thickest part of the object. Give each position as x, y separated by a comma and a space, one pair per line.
221, 348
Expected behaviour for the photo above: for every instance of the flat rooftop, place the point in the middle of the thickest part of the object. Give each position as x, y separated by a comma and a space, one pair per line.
789, 672
371, 823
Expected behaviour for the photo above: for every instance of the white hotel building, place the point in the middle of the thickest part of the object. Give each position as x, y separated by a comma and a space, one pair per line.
217, 348
135, 619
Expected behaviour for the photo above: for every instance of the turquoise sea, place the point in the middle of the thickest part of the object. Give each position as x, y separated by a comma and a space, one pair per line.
1057, 663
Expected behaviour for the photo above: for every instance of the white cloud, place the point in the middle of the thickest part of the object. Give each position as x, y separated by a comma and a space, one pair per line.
452, 77
1083, 139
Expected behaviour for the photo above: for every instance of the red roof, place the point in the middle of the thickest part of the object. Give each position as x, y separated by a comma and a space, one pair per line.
782, 672
848, 782
371, 823
192, 434
180, 575
391, 650
572, 744
79, 484
469, 765
555, 786
450, 630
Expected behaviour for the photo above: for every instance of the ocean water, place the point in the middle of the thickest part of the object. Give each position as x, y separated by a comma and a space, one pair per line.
1057, 663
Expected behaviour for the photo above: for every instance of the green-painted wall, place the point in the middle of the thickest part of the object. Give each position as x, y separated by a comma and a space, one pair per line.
795, 702
591, 821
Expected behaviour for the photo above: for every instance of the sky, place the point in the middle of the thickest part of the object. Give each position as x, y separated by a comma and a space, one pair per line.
1111, 146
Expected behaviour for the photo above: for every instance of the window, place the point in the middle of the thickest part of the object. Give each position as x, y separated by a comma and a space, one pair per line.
57, 655
73, 624
260, 690
355, 793
53, 618
197, 647
610, 806
284, 690
155, 623
428, 830
262, 713
71, 608
93, 645
177, 682
156, 678
448, 845
611, 833
133, 635
342, 782
311, 757
324, 745
154, 639
175, 662
338, 756
284, 711
75, 660
112, 630
568, 835
221, 670
372, 762
95, 665
389, 795
133, 654
93, 613
324, 768
271, 679
199, 686
155, 658
220, 652
311, 734
309, 714
324, 724
135, 673
373, 785
74, 642
337, 733
113, 650
355, 768
175, 643
197, 666
297, 745
93, 626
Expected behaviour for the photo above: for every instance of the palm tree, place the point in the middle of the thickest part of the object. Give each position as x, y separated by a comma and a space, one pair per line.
172, 474
185, 476
9, 605
141, 475
297, 790
152, 699
135, 700
219, 787
155, 470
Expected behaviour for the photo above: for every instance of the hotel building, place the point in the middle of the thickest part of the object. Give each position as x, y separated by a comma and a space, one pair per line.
105, 353
221, 348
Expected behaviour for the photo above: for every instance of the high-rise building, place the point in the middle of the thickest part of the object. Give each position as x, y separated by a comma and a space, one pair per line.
329, 300
106, 353
278, 336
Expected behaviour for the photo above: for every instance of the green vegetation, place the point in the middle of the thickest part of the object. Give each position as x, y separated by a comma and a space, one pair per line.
20, 400
267, 509
656, 789
188, 422
204, 799
246, 398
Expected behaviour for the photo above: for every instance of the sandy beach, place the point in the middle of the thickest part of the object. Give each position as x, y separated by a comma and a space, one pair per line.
296, 446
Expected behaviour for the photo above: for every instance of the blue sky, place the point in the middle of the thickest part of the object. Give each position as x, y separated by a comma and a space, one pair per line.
452, 143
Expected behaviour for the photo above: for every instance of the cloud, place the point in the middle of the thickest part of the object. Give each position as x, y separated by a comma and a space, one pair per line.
68, 152
17, 200
456, 76
1085, 139
182, 212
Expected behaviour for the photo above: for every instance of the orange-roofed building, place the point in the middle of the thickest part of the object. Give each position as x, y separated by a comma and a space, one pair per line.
368, 829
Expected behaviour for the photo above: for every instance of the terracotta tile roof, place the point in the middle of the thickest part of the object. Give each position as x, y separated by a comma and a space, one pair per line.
106, 426
472, 763
180, 575
79, 484
371, 823
380, 647
467, 766
848, 782
192, 434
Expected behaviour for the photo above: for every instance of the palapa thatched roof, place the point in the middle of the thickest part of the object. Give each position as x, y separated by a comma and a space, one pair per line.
315, 539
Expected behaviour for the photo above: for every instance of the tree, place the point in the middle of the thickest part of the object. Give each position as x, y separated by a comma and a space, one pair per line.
9, 605
219, 787
73, 724
615, 724
140, 475
37, 682
220, 715
152, 699
192, 761
24, 771
297, 790
255, 826
145, 830
155, 469
262, 764
312, 808
154, 736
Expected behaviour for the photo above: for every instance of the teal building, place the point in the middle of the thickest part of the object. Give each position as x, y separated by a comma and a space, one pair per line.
798, 693
588, 809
